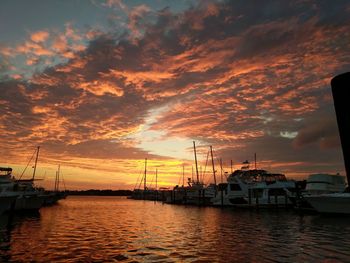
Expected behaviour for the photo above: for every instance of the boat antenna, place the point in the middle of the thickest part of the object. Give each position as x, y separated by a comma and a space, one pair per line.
212, 163
255, 160
36, 162
195, 158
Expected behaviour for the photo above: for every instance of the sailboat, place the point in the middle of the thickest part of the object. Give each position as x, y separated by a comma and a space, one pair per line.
29, 197
196, 192
146, 193
52, 197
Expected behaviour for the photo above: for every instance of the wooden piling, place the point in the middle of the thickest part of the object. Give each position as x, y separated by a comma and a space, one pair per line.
276, 200
286, 199
250, 196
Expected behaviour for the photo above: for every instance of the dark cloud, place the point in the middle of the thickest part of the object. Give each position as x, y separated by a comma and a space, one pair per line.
322, 131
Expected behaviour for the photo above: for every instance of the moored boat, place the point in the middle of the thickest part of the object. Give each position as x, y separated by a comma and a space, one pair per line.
338, 203
318, 184
254, 187
334, 203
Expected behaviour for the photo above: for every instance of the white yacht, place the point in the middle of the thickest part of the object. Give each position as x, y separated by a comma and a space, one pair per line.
318, 184
25, 196
7, 196
255, 187
325, 183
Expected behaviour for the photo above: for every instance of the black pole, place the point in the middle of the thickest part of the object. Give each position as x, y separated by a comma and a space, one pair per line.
195, 158
145, 179
36, 161
58, 177
255, 161
212, 164
340, 89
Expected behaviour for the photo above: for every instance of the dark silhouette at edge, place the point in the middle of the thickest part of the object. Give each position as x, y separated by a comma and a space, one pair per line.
341, 91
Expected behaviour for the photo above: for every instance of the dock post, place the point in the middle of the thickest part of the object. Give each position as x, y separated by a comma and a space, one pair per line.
203, 195
276, 200
286, 199
199, 197
250, 197
268, 197
256, 199
222, 197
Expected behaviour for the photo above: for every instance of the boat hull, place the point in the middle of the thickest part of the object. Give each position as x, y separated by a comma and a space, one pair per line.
330, 203
29, 202
6, 203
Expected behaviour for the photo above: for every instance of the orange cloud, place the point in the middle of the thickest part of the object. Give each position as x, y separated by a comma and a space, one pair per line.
39, 36
99, 88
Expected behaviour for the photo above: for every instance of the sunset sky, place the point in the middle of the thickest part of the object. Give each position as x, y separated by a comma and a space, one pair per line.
101, 85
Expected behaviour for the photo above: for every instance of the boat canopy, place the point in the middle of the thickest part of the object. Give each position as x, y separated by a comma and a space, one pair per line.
5, 169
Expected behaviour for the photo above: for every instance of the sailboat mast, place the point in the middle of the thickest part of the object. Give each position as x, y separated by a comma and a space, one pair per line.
156, 179
145, 181
58, 177
183, 175
231, 167
55, 188
222, 180
255, 160
36, 161
195, 158
212, 163
192, 173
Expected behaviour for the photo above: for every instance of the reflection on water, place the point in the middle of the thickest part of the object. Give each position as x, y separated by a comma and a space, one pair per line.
111, 229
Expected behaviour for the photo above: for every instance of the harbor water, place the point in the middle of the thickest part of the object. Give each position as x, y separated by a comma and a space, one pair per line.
113, 229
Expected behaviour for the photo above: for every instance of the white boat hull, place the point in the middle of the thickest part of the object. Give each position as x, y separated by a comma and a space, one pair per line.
330, 203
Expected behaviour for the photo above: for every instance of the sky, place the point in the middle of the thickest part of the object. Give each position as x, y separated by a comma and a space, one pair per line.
102, 85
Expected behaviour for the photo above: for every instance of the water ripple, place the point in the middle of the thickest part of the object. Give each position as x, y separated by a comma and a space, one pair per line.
109, 229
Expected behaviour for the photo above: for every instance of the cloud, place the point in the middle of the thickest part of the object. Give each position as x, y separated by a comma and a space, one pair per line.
323, 132
39, 36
